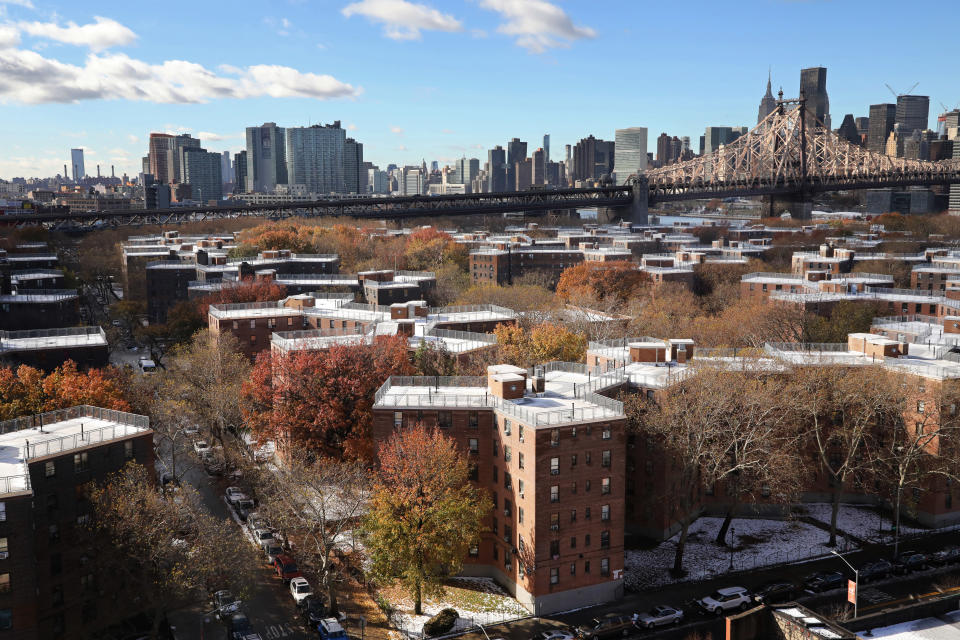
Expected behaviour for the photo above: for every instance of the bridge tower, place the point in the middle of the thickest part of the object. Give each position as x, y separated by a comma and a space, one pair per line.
638, 211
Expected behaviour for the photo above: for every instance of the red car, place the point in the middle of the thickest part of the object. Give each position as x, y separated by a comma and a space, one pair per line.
286, 568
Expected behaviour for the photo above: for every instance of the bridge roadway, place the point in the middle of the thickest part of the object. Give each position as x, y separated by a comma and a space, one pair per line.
624, 198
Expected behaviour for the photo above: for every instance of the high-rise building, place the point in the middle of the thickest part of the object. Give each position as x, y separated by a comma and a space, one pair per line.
354, 176
76, 163
546, 148
630, 152
266, 158
913, 113
496, 170
378, 182
523, 170
181, 143
466, 170
538, 168
240, 172
713, 137
954, 202
202, 171
516, 151
848, 130
895, 142
226, 170
160, 153
593, 158
412, 182
863, 128
316, 157
882, 119
813, 86
948, 124
664, 151
767, 103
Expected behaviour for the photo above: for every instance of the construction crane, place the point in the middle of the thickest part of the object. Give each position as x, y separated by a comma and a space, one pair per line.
905, 93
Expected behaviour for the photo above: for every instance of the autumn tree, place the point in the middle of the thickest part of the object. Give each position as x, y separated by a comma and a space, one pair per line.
519, 297
424, 514
620, 280
317, 503
247, 290
165, 549
428, 248
433, 359
543, 343
26, 390
128, 313
322, 400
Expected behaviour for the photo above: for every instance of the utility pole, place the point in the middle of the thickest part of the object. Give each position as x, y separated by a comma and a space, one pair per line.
856, 581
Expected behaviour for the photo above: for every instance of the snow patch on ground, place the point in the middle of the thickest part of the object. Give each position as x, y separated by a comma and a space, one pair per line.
477, 600
862, 521
756, 543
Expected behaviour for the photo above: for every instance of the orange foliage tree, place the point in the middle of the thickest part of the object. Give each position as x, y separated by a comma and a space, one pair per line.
322, 400
428, 248
545, 342
27, 390
619, 280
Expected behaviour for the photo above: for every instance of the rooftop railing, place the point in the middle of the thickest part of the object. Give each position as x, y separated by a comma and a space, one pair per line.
80, 411
292, 256
891, 291
39, 273
486, 338
172, 264
70, 336
315, 339
40, 295
895, 320
620, 343
773, 275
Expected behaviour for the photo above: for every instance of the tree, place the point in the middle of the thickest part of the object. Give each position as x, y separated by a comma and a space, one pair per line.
166, 549
543, 343
433, 359
248, 290
428, 248
27, 390
620, 279
423, 514
317, 502
322, 400
519, 297
128, 312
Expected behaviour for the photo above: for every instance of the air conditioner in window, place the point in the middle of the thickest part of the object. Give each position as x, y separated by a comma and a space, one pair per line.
554, 527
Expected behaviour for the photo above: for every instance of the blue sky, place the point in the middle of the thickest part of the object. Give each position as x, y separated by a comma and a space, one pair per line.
436, 79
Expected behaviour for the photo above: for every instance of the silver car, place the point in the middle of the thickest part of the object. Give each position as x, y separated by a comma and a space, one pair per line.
659, 616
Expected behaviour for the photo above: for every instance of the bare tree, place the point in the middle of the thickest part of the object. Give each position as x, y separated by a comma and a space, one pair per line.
317, 504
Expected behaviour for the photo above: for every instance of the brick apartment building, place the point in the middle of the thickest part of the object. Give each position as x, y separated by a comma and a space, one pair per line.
49, 586
498, 266
47, 349
39, 309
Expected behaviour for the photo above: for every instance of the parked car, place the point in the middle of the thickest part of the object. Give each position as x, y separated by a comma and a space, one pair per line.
556, 634
233, 493
263, 538
191, 431
312, 611
776, 591
285, 567
726, 599
225, 603
272, 550
255, 521
300, 589
239, 628
825, 581
659, 616
330, 629
950, 555
909, 562
243, 508
606, 626
199, 446
875, 570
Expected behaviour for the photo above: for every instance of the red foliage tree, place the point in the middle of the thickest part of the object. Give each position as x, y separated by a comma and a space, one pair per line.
323, 400
250, 290
618, 279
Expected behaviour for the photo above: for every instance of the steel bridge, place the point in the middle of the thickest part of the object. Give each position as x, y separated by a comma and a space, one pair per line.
785, 155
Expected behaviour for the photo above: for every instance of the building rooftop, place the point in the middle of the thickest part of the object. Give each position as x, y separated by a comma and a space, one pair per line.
55, 433
11, 341
944, 627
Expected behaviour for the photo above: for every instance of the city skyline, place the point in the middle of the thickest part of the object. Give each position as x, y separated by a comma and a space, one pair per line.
397, 120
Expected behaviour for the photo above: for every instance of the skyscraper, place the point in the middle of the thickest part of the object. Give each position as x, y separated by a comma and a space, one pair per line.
813, 86
202, 171
516, 152
848, 130
768, 103
76, 163
240, 172
664, 150
539, 168
161, 159
181, 143
354, 174
630, 152
496, 169
713, 137
266, 157
882, 119
546, 148
226, 171
316, 157
913, 113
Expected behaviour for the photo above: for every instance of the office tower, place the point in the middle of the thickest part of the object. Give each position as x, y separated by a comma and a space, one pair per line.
315, 157
523, 170
702, 144
161, 159
664, 151
768, 103
882, 119
538, 166
496, 170
546, 148
894, 146
516, 151
378, 181
202, 170
568, 149
593, 158
226, 171
713, 137
145, 165
465, 170
813, 86
76, 163
181, 143
863, 128
848, 130
240, 172
412, 181
913, 113
354, 176
948, 124
954, 203
266, 158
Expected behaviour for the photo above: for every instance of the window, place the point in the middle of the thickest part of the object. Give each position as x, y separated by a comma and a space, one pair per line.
3, 511
587, 457
474, 550
586, 540
289, 322
573, 460
554, 521
554, 466
604, 566
473, 446
520, 515
554, 575
555, 493
271, 323
507, 453
496, 449
573, 487
554, 549
496, 552
573, 568
555, 438
605, 458
496, 527
605, 512
586, 486
507, 508
4, 583
4, 549
920, 406
605, 486
604, 539
520, 487
573, 432
507, 481
444, 419
605, 434
496, 474
473, 472
520, 432
6, 618
508, 533
54, 532
128, 450
573, 515
80, 462
506, 559
56, 596
50, 469
586, 566
253, 324
397, 419
506, 427
472, 419
520, 459
573, 542
586, 512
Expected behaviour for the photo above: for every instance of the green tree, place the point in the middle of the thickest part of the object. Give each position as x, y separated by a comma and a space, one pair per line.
424, 514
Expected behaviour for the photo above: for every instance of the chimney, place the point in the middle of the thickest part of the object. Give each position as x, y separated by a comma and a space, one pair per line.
112, 172
65, 173
98, 171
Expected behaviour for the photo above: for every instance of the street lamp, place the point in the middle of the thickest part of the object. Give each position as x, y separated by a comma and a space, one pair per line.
856, 580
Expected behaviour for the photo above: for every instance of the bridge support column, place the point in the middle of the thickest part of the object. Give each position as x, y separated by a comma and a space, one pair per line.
637, 212
800, 206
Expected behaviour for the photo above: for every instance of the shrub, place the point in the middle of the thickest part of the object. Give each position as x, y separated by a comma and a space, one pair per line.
441, 623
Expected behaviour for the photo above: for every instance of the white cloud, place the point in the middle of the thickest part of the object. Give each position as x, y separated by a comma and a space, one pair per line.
397, 130
351, 127
132, 139
102, 34
176, 129
214, 137
285, 23
9, 36
403, 20
31, 78
537, 24
19, 3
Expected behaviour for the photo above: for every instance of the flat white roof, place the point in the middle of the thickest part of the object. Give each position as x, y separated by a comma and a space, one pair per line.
945, 627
